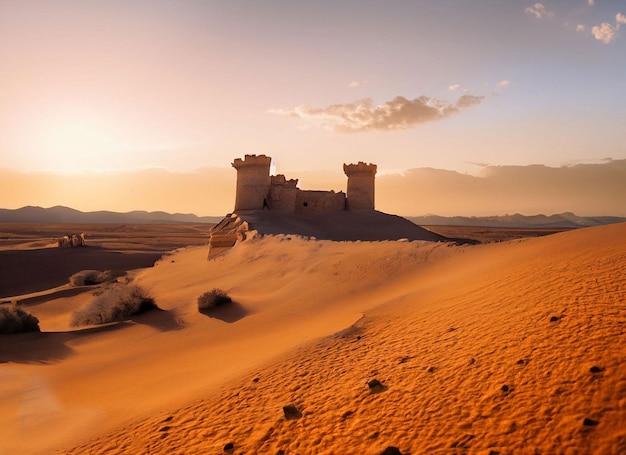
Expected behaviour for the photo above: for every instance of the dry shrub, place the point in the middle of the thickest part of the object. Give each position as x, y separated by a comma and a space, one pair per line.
91, 277
212, 299
115, 304
15, 320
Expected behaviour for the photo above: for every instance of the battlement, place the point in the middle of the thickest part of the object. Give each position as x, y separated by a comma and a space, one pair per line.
280, 179
359, 168
252, 160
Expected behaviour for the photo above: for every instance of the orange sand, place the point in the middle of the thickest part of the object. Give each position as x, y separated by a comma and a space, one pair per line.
443, 327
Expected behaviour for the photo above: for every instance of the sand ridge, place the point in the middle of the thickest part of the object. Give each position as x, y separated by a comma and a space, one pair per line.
476, 366
480, 349
173, 355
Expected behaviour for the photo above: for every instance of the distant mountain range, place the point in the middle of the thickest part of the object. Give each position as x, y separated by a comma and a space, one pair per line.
561, 220
60, 214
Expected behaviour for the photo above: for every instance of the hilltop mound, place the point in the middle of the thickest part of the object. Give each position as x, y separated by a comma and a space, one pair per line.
367, 225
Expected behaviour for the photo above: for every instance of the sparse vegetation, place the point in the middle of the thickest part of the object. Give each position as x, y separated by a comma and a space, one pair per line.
91, 277
212, 299
15, 320
114, 304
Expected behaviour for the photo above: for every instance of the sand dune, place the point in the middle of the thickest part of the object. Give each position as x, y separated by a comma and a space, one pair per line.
515, 347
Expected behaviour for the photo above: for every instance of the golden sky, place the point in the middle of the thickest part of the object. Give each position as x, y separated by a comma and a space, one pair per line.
137, 95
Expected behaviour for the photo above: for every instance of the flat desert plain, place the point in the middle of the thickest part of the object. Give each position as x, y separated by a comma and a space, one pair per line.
331, 348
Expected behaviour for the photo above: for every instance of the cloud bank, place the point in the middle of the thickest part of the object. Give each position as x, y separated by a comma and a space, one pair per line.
362, 115
585, 189
149, 189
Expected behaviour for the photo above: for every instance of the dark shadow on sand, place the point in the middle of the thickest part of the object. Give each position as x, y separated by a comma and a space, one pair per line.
27, 271
62, 293
229, 312
46, 347
162, 320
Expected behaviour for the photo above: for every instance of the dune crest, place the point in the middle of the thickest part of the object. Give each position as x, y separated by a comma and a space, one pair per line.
350, 347
500, 348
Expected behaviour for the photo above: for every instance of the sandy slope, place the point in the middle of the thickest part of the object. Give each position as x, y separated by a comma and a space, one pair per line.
445, 329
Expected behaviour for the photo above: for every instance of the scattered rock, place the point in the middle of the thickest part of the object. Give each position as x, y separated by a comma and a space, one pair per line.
376, 386
505, 388
596, 369
451, 329
493, 452
521, 362
554, 319
430, 370
512, 428
280, 452
346, 414
391, 450
590, 422
463, 442
229, 448
255, 380
166, 428
167, 419
472, 361
404, 359
291, 412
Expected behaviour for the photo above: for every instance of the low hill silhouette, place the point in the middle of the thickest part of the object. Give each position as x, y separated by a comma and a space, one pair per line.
61, 214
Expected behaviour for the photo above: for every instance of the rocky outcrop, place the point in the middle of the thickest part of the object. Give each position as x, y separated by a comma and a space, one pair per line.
226, 234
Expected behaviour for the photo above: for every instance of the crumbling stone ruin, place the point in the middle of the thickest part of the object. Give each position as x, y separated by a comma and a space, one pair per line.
257, 190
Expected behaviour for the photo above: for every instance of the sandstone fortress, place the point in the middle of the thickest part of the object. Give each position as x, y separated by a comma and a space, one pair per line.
271, 204
258, 190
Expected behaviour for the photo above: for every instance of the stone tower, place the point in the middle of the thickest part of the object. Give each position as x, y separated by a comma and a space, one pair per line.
360, 186
253, 182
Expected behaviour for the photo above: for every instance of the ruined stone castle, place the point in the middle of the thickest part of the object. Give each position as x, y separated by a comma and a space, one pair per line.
266, 204
258, 190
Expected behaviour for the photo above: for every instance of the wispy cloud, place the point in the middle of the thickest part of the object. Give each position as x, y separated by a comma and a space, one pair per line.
591, 2
454, 87
539, 11
396, 114
502, 84
354, 84
580, 28
620, 18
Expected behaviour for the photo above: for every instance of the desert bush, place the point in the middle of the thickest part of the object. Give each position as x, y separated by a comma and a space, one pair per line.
114, 304
212, 299
15, 320
91, 277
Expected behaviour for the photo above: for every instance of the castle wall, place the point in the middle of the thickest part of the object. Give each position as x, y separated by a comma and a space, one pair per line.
257, 190
360, 186
319, 202
282, 197
253, 182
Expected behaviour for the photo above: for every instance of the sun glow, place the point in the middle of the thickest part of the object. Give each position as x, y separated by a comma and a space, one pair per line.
74, 143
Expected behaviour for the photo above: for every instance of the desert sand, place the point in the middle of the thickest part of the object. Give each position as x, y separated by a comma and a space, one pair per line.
510, 347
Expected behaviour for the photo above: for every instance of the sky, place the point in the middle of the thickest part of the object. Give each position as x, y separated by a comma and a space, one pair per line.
101, 96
